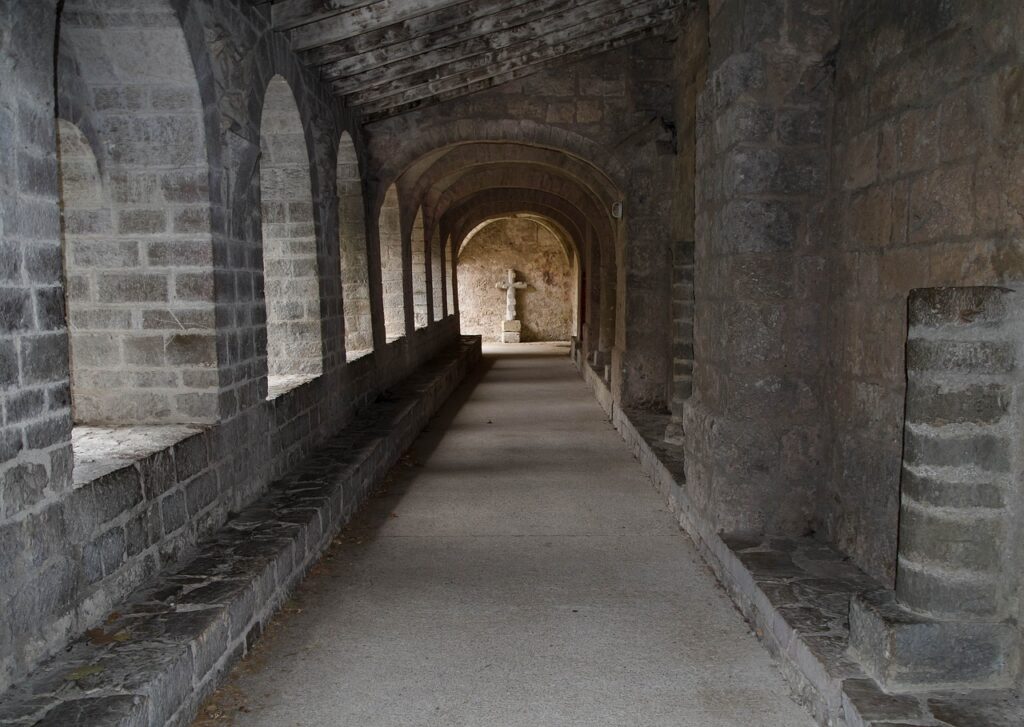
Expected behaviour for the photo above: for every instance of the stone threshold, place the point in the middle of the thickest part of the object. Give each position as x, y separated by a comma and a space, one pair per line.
155, 659
795, 593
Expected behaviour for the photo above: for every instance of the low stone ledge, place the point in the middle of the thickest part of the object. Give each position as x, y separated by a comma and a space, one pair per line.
796, 594
155, 658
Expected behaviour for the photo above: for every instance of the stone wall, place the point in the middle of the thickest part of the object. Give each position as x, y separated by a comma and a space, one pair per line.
290, 276
927, 189
71, 550
539, 258
133, 177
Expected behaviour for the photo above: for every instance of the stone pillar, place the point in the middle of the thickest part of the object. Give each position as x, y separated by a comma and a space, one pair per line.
948, 621
682, 337
606, 312
591, 295
755, 425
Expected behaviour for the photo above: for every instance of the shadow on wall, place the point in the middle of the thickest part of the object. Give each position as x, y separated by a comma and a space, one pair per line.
540, 261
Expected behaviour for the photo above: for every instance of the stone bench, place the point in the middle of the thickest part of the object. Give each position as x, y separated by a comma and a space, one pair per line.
158, 655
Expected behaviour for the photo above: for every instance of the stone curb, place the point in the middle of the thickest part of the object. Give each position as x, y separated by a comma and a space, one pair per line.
155, 660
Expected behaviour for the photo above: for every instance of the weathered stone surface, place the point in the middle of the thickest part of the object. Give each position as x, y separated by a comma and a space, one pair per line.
903, 650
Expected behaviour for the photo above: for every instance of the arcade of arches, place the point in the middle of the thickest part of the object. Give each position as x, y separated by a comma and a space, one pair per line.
768, 283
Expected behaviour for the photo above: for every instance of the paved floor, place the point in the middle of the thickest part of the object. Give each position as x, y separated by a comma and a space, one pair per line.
519, 570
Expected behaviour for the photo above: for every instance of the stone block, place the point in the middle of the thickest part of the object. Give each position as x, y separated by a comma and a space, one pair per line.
961, 357
22, 486
173, 511
938, 404
97, 502
988, 452
44, 358
930, 490
969, 596
15, 309
122, 710
956, 540
902, 650
959, 307
132, 288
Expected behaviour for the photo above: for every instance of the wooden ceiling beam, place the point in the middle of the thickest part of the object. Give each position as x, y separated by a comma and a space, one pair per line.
287, 14
416, 30
383, 108
487, 18
494, 47
564, 41
360, 20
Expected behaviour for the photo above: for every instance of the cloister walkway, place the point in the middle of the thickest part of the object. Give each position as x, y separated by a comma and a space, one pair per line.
518, 570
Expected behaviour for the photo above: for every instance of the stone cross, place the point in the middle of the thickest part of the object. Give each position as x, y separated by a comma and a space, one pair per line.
509, 285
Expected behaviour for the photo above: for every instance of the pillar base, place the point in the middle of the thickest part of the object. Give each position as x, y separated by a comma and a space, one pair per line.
905, 651
511, 331
674, 434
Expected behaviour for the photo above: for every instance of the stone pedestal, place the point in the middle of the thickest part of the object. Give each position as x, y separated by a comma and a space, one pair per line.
949, 623
511, 331
903, 650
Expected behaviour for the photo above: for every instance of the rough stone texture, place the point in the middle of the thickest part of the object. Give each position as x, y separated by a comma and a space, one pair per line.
540, 259
755, 428
926, 191
139, 297
290, 275
154, 659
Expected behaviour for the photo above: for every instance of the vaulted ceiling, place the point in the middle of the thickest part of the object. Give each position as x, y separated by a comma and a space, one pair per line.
389, 56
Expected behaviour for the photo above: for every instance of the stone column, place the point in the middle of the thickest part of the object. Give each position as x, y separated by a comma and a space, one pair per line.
948, 620
682, 337
606, 312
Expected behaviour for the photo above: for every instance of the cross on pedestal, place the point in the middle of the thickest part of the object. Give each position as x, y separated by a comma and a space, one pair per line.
510, 327
509, 285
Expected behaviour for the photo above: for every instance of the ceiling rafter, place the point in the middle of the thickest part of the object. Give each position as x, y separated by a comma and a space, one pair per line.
389, 56
495, 47
507, 22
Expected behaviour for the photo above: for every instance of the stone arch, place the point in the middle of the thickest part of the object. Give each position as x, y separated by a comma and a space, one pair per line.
501, 177
461, 159
355, 276
291, 280
391, 267
138, 246
408, 151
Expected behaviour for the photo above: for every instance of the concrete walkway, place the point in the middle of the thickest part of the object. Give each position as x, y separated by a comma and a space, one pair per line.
519, 570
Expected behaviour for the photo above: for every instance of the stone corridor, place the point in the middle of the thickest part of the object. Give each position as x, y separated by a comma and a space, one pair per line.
519, 569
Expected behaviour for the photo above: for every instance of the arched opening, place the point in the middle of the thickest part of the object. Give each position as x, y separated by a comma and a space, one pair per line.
543, 281
137, 248
392, 279
420, 293
437, 281
355, 283
290, 273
